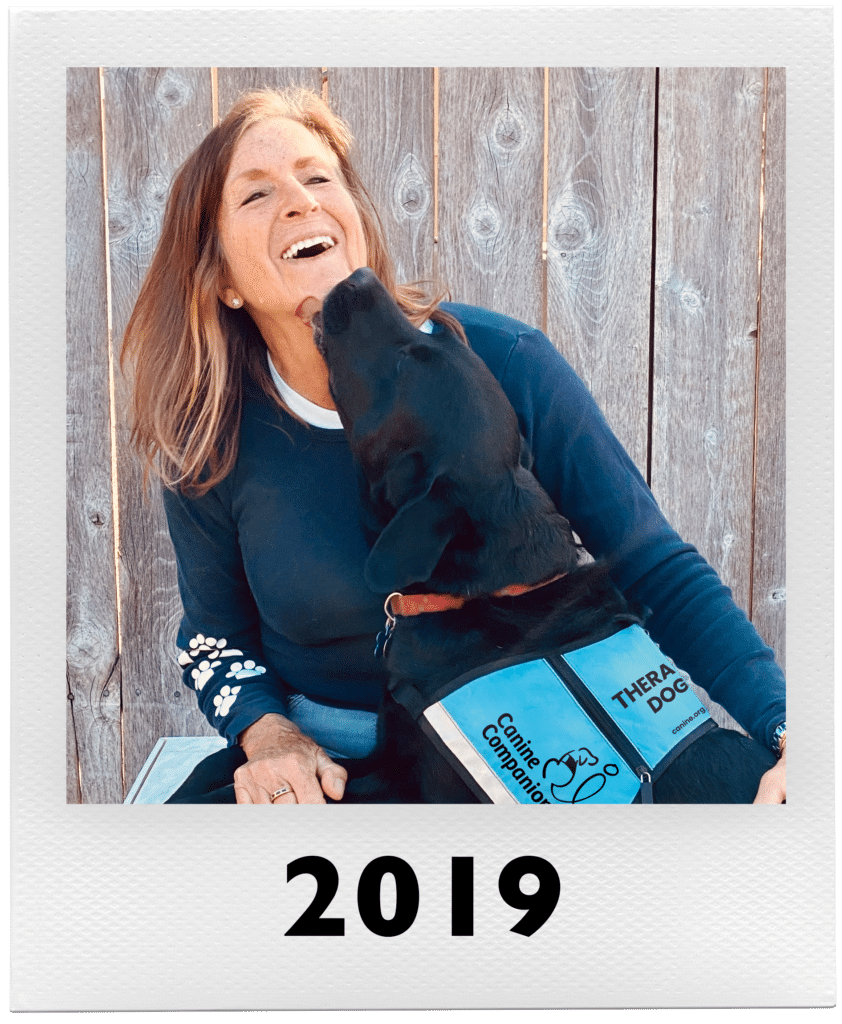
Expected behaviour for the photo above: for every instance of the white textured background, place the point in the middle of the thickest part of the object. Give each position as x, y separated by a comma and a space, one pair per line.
120, 908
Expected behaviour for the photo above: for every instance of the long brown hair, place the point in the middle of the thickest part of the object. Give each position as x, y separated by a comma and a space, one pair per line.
188, 348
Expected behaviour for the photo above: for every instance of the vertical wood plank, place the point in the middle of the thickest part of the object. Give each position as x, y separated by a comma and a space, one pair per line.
73, 791
706, 286
154, 118
769, 579
231, 82
599, 237
93, 669
491, 151
709, 149
390, 112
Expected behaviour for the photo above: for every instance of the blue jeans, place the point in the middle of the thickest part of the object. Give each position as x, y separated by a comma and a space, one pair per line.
343, 732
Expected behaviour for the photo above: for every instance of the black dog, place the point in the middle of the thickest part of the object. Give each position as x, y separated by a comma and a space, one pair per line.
455, 511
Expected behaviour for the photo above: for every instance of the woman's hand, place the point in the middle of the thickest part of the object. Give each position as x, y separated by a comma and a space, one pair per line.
772, 788
280, 754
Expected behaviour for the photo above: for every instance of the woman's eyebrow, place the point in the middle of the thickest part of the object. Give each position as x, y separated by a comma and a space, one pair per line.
259, 172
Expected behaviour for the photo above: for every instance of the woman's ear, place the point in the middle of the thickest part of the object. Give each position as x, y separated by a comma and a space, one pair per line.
230, 297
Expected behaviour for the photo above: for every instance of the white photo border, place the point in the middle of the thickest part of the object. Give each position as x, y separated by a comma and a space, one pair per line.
171, 908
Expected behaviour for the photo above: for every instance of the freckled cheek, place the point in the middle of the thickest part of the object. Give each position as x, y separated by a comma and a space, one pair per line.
243, 260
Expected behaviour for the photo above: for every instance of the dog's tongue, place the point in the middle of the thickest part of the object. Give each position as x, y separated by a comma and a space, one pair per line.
308, 308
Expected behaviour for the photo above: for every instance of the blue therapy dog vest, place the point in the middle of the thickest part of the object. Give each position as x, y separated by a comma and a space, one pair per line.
594, 723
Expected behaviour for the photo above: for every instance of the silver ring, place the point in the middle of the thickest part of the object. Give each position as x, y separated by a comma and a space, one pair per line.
286, 788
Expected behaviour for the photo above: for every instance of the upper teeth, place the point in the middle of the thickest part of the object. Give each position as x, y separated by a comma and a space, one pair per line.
305, 243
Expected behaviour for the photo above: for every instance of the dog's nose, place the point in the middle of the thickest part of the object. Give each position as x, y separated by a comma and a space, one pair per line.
360, 292
336, 312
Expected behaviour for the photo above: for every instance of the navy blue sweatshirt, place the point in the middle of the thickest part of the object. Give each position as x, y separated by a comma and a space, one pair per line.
270, 561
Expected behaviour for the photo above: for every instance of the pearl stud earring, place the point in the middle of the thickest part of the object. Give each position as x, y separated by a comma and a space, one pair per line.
236, 303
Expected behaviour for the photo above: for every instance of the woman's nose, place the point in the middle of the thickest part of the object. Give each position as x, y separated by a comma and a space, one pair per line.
300, 200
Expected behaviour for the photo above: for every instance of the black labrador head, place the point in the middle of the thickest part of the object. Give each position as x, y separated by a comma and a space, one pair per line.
439, 446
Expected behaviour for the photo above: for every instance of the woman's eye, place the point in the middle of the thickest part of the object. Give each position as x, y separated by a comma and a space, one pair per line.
317, 179
253, 195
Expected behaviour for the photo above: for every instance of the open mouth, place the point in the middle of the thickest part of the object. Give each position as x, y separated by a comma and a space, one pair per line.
307, 248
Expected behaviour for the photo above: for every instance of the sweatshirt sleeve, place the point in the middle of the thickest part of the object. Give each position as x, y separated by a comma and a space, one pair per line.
597, 487
221, 654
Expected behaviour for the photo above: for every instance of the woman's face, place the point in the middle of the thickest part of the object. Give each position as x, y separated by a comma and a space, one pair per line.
284, 188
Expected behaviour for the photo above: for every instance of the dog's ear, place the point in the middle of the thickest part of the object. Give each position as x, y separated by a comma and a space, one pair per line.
406, 478
525, 537
411, 545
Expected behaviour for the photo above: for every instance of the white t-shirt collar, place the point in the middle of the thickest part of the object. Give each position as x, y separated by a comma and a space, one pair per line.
315, 415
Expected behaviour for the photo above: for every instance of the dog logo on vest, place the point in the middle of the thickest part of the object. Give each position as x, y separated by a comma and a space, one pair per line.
567, 769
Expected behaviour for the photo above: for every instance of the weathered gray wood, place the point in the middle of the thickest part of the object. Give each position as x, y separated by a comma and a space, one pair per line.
769, 570
154, 118
490, 209
73, 791
599, 237
491, 130
709, 148
390, 112
93, 670
707, 226
231, 82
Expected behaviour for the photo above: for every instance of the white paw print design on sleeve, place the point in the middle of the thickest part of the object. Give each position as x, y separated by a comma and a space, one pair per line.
225, 698
203, 673
244, 670
200, 644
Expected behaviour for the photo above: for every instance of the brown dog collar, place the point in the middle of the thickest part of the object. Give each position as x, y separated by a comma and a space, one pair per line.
418, 604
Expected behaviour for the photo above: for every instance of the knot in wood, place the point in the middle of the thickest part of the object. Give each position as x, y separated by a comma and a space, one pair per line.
691, 300
155, 190
508, 131
89, 650
172, 91
412, 191
778, 594
571, 227
119, 217
484, 223
411, 200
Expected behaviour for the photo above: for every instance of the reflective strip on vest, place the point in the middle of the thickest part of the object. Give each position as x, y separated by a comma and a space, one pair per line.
522, 737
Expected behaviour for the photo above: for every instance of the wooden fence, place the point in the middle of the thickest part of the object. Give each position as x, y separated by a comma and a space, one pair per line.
637, 215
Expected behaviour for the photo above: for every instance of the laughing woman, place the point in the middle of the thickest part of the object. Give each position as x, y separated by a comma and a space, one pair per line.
233, 411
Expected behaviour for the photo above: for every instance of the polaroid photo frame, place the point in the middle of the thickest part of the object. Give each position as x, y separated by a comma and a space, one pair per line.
128, 907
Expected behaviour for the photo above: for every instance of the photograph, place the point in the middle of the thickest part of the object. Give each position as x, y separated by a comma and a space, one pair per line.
609, 245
